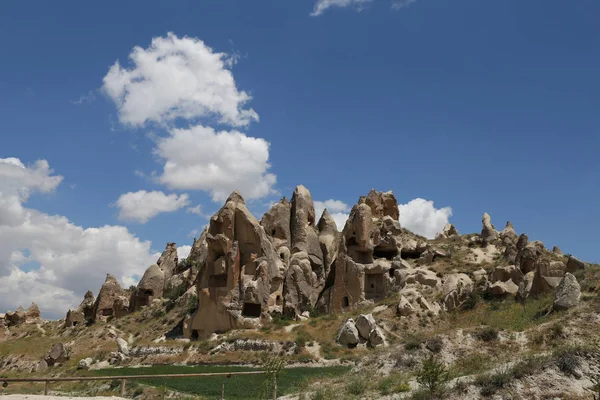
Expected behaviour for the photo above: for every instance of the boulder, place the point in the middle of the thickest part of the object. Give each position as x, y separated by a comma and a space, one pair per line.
123, 347
547, 276
365, 323
348, 334
556, 250
57, 355
15, 318
501, 289
456, 289
568, 293
85, 363
405, 308
41, 366
376, 338
506, 273
529, 255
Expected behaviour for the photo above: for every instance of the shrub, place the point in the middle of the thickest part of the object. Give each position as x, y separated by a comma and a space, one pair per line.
527, 367
393, 383
357, 385
486, 334
138, 391
192, 304
323, 394
568, 361
433, 375
413, 342
435, 344
491, 383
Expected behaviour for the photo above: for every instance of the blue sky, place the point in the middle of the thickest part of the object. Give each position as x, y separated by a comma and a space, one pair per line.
477, 106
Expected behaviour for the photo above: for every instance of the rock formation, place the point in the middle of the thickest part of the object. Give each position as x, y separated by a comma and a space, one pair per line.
15, 318
33, 313
448, 232
242, 277
488, 232
168, 260
150, 287
82, 314
109, 292
568, 293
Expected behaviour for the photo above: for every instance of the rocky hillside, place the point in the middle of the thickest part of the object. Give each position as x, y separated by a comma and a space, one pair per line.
491, 312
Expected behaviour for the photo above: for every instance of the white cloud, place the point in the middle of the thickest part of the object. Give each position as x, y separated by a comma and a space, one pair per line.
70, 259
338, 209
141, 206
87, 98
196, 210
421, 217
323, 5
177, 78
183, 252
199, 158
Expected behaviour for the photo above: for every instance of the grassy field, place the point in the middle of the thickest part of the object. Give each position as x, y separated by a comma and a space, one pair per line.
291, 380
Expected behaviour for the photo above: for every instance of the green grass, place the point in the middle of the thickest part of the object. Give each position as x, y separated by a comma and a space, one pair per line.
236, 387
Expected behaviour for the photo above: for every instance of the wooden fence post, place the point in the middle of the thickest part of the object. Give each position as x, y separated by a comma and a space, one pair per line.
275, 387
46, 388
123, 387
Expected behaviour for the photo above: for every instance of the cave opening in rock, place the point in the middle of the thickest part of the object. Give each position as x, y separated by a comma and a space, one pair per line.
381, 252
374, 287
345, 302
410, 254
278, 301
251, 310
195, 335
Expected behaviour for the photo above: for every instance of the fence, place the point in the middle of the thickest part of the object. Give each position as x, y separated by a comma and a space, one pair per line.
124, 379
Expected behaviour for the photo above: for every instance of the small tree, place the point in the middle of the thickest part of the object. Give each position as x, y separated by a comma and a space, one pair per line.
272, 365
433, 375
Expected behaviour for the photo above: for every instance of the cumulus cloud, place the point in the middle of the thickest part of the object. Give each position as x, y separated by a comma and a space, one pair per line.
323, 5
141, 206
338, 209
421, 217
177, 78
201, 158
68, 259
183, 251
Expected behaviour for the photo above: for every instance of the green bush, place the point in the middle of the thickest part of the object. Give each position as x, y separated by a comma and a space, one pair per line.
433, 376
568, 360
413, 342
435, 344
491, 383
357, 385
393, 383
486, 334
192, 304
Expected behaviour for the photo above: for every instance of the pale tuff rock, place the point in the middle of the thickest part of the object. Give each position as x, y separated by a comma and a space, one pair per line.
82, 314
363, 330
568, 293
242, 277
404, 308
305, 278
123, 347
509, 233
57, 355
556, 250
529, 255
109, 292
506, 273
365, 323
500, 289
276, 223
33, 313
85, 363
150, 287
382, 204
348, 334
456, 290
488, 232
197, 254
121, 306
448, 232
328, 239
15, 318
168, 260
547, 276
